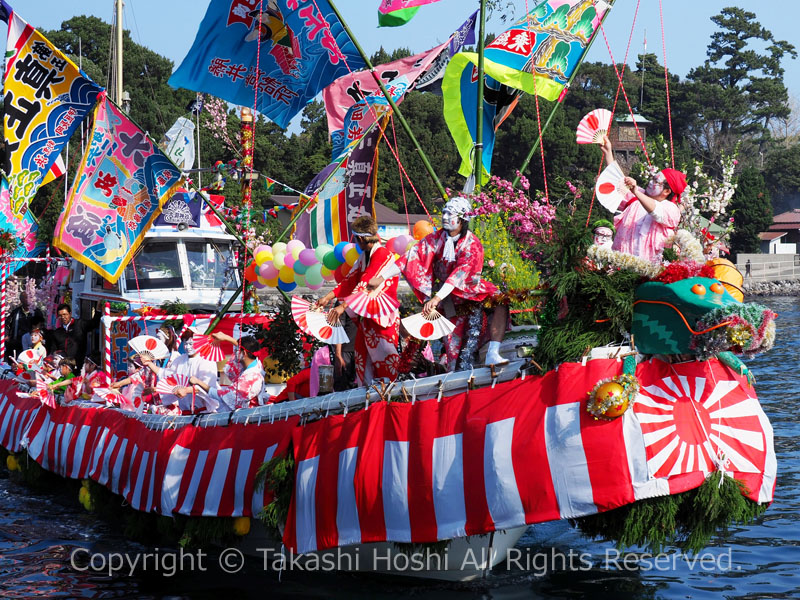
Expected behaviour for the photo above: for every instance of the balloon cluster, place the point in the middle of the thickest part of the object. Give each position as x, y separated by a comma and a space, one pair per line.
287, 265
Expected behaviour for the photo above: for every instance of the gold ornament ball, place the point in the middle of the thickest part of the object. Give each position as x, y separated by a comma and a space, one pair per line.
610, 389
617, 410
241, 526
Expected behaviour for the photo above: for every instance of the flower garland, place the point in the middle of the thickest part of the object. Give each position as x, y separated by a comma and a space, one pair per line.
750, 331
611, 397
689, 248
624, 261
680, 270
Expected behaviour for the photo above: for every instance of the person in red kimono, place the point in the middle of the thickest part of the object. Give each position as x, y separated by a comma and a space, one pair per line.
451, 261
376, 353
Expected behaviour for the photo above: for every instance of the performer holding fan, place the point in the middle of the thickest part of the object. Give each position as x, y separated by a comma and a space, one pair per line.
452, 260
377, 337
647, 221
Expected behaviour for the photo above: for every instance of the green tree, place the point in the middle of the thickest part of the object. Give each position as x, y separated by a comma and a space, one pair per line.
752, 211
782, 174
738, 91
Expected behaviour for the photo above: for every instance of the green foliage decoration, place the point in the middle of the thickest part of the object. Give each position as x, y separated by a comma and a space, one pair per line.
688, 520
277, 475
285, 343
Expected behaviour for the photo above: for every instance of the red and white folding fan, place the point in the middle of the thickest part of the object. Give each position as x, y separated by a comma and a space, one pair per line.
44, 393
610, 187
147, 345
208, 347
167, 384
319, 327
594, 126
432, 327
30, 359
300, 308
374, 305
110, 396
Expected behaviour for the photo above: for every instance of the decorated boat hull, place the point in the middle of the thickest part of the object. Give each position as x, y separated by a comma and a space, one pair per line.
473, 457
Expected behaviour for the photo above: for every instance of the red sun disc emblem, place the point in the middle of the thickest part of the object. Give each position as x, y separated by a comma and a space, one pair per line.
593, 122
606, 188
150, 344
325, 333
426, 330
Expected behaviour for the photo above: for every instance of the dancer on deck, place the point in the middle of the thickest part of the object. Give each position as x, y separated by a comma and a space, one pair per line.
376, 346
451, 260
647, 221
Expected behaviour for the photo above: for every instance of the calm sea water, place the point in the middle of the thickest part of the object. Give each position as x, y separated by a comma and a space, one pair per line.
38, 534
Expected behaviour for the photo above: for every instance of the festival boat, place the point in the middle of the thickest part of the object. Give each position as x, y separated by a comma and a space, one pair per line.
437, 476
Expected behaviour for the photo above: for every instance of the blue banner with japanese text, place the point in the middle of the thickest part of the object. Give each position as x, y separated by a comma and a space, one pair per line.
278, 54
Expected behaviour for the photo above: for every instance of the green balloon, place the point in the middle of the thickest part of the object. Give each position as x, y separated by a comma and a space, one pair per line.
314, 274
330, 261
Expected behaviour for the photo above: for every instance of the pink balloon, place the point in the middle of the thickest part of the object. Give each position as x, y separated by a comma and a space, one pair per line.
294, 244
268, 271
315, 287
307, 257
288, 260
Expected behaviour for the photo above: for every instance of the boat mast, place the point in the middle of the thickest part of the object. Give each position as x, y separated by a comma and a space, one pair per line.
118, 53
479, 112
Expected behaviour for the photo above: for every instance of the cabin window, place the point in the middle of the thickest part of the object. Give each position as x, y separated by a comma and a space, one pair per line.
207, 262
101, 285
155, 267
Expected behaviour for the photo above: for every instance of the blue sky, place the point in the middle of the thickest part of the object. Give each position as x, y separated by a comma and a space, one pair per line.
169, 26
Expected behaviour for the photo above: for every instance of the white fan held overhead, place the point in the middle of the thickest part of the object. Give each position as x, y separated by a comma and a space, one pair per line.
147, 345
594, 127
431, 327
610, 187
319, 327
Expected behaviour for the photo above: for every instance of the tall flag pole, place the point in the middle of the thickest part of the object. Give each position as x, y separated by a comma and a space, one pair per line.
391, 102
535, 146
641, 94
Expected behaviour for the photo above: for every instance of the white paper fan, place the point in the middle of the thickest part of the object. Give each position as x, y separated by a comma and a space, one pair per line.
376, 305
300, 308
148, 345
432, 327
594, 126
167, 384
319, 327
610, 187
30, 359
208, 347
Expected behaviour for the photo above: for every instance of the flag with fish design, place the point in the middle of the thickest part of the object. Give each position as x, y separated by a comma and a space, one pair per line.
123, 182
355, 101
538, 55
341, 192
288, 52
393, 13
178, 143
45, 97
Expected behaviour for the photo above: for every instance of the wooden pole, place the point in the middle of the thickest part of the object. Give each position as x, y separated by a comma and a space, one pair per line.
479, 112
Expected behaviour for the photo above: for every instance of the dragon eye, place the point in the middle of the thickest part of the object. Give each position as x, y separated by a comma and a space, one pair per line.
717, 288
698, 289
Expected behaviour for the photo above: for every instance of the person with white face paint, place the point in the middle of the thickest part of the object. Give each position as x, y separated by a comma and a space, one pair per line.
648, 219
191, 365
450, 261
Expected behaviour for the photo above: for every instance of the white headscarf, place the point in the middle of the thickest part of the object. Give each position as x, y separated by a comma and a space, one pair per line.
459, 207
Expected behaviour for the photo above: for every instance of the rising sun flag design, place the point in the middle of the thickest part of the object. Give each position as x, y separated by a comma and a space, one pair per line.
701, 424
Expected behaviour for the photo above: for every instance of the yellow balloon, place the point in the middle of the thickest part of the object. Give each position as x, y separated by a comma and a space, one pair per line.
241, 526
262, 257
271, 282
277, 260
262, 281
351, 257
286, 275
296, 251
